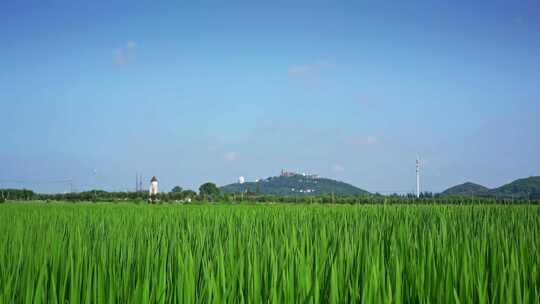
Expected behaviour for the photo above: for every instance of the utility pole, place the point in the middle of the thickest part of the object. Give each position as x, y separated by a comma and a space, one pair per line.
417, 177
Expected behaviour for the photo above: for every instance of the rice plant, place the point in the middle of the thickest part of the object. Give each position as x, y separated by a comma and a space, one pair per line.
127, 253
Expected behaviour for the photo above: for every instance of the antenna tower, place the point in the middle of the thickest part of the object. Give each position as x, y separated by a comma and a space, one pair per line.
417, 176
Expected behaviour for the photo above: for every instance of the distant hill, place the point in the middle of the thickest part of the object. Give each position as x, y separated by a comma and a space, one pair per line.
525, 188
522, 188
295, 185
466, 189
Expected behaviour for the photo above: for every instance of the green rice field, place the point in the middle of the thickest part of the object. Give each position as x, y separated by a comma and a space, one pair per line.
249, 253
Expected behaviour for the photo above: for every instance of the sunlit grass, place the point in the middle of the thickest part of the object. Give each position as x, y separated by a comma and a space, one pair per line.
120, 253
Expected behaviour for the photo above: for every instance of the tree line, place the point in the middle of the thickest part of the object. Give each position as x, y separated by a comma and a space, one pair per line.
209, 192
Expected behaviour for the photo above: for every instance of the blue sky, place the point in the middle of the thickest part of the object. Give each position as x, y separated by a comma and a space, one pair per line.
196, 91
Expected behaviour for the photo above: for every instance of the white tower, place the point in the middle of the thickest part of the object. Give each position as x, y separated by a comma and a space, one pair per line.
153, 186
417, 176
241, 180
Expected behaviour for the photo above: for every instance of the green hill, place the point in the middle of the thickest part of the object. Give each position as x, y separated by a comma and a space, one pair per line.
294, 185
521, 188
466, 189
524, 188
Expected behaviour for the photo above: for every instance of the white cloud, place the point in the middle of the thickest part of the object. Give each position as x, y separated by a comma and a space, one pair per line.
230, 156
338, 168
131, 44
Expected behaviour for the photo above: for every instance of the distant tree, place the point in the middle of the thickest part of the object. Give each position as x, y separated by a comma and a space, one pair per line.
189, 193
16, 194
209, 191
176, 189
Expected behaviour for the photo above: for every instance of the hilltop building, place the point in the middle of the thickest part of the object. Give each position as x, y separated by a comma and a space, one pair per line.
285, 173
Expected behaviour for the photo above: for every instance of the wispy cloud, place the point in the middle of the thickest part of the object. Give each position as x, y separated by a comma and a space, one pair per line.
230, 156
361, 140
311, 70
338, 168
119, 57
324, 64
300, 70
125, 54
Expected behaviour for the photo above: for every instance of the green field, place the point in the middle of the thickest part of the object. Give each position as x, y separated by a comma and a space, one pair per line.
128, 253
